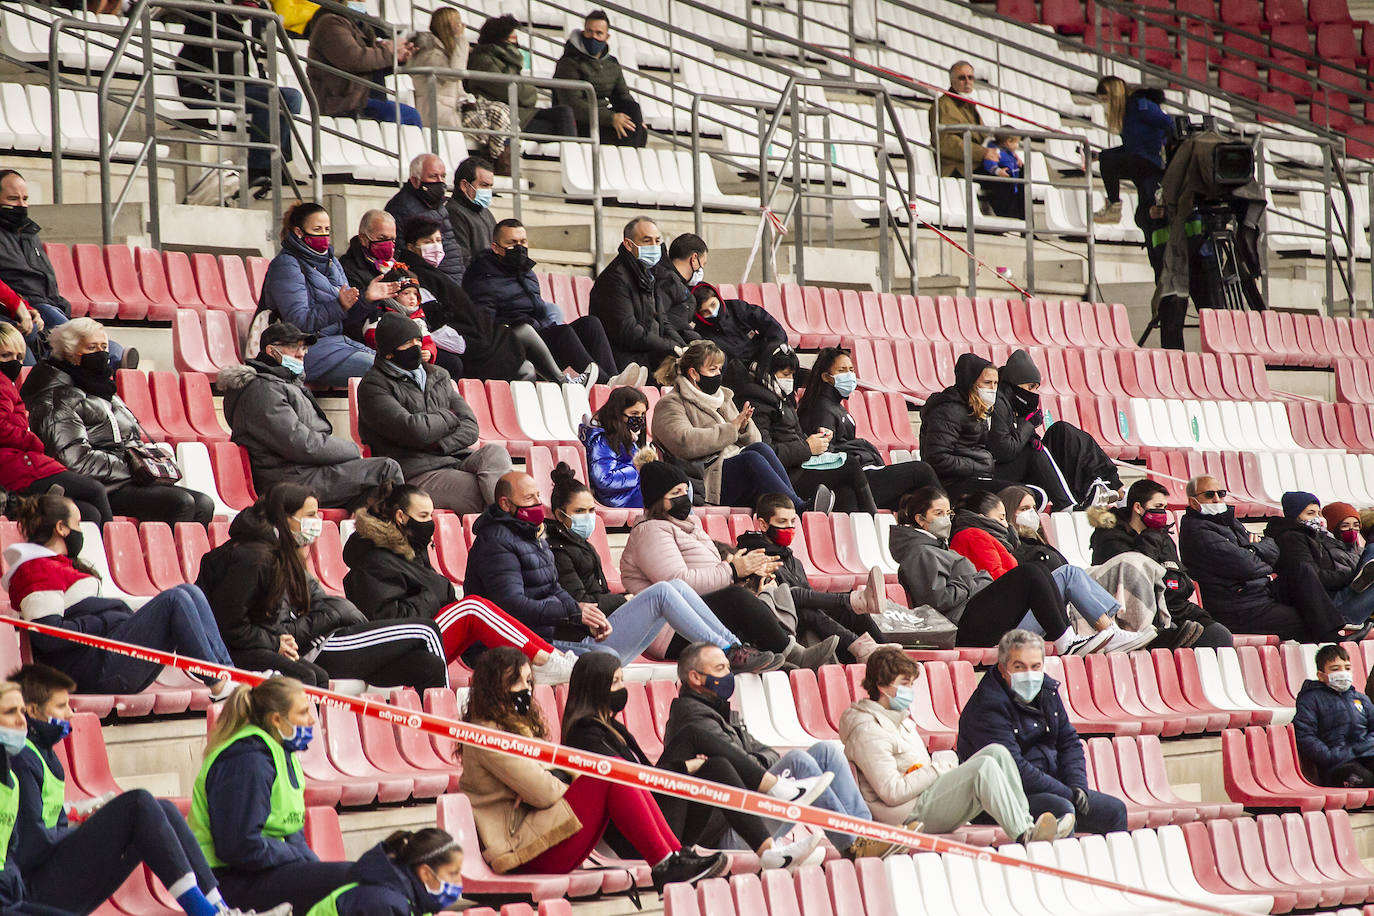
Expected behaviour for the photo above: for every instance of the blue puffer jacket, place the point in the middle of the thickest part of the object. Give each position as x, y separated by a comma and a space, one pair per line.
302, 287
384, 889
613, 477
1332, 727
509, 298
1043, 743
511, 565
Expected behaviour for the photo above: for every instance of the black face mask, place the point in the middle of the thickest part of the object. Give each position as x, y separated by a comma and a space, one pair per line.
408, 359
433, 193
74, 541
517, 259
419, 534
635, 424
11, 368
709, 384
1023, 399
618, 700
97, 362
680, 507
13, 217
521, 699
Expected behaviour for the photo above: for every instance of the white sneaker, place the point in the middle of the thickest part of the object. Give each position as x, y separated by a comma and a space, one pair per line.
1127, 641
801, 791
793, 855
627, 376
586, 379
643, 377
1063, 827
1087, 645
557, 670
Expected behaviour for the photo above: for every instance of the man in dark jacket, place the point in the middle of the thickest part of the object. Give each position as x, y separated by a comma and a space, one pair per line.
424, 194
674, 278
700, 722
24, 266
953, 438
744, 331
469, 207
1018, 706
511, 565
1143, 526
501, 280
371, 254
625, 300
587, 57
410, 411
1334, 724
1235, 571
284, 429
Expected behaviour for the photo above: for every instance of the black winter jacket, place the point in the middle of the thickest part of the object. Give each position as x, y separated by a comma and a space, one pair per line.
236, 577
579, 568
423, 430
360, 270
1012, 431
674, 298
473, 225
602, 71
387, 578
77, 427
624, 299
953, 442
713, 716
744, 331
825, 409
385, 888
1232, 573
511, 565
408, 203
453, 308
1332, 727
777, 421
791, 572
1335, 561
1113, 534
510, 298
25, 268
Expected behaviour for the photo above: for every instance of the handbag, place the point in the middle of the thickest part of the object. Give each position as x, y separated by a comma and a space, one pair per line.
149, 464
920, 627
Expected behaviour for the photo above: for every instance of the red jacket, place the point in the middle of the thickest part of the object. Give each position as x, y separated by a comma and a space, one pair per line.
983, 551
10, 300
21, 453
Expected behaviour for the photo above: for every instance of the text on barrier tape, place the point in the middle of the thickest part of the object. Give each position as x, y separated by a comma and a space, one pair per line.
613, 769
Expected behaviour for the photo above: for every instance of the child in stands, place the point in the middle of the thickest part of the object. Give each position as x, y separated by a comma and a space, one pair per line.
1005, 198
78, 866
406, 302
1334, 724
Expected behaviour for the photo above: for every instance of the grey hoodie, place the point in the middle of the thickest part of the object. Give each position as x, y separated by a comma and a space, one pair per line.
933, 574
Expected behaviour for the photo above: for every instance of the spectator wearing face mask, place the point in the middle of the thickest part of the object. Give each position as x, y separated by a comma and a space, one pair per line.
371, 254
1327, 540
745, 332
501, 280
616, 439
675, 277
425, 194
955, 426
287, 435
626, 300
1334, 724
469, 209
1243, 584
587, 56
353, 46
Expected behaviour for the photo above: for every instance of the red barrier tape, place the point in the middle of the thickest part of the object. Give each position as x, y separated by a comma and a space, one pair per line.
613, 769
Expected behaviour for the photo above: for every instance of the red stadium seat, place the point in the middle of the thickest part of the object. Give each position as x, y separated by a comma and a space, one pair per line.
192, 544
160, 554
257, 274
154, 281
354, 790
238, 289
70, 288
132, 386
232, 476
95, 277
125, 553
347, 736
189, 352
167, 399
181, 282
210, 282
200, 408
323, 834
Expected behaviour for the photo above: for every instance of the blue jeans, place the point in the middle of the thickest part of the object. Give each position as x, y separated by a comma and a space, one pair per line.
752, 473
636, 623
1106, 814
1082, 591
52, 317
385, 110
352, 365
260, 128
1356, 607
842, 796
178, 620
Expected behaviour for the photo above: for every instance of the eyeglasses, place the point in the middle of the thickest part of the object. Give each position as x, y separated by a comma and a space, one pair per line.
1212, 494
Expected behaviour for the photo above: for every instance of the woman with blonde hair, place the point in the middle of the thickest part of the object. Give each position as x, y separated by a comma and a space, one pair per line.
954, 429
1111, 92
248, 801
445, 97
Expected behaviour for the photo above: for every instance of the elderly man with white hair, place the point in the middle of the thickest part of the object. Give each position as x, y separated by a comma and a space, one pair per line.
74, 411
424, 194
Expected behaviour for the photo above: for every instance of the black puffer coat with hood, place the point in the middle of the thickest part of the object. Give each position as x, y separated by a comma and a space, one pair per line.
953, 441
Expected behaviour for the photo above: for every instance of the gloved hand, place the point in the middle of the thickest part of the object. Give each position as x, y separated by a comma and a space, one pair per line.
1035, 417
1080, 802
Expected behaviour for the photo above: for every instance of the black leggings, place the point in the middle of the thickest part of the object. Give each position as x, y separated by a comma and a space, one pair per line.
891, 483
743, 614
831, 614
158, 503
90, 495
1000, 606
848, 482
579, 344
308, 673
1118, 163
92, 861
301, 884
727, 764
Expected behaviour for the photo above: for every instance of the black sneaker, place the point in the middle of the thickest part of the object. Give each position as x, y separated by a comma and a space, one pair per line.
689, 868
1364, 578
748, 660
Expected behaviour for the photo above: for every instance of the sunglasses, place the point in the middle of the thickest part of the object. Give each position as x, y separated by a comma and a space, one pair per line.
1213, 494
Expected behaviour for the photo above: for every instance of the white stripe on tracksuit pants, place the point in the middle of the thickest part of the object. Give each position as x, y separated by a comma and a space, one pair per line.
385, 653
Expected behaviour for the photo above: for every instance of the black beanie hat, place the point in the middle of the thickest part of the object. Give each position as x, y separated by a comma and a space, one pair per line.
655, 480
1019, 370
393, 330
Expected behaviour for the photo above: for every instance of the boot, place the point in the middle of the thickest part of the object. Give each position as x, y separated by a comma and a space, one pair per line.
503, 163
822, 653
866, 645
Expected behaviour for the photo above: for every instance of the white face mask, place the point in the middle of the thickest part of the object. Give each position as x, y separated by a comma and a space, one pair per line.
1340, 680
311, 528
1212, 508
784, 385
988, 396
1028, 518
697, 276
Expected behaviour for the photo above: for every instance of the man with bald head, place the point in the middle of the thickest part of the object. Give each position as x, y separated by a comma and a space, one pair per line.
625, 299
424, 194
1235, 571
371, 253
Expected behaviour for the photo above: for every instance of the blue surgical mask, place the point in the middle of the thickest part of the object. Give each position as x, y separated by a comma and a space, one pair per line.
293, 364
845, 383
482, 197
1027, 684
650, 254
299, 739
447, 894
63, 726
903, 698
582, 524
357, 6
12, 739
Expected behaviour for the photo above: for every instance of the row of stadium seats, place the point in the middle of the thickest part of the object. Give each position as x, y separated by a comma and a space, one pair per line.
1287, 338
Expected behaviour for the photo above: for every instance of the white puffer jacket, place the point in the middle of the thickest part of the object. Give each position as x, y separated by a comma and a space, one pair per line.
883, 745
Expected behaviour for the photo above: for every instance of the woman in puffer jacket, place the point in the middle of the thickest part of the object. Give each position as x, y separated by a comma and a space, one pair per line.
306, 286
24, 468
273, 614
954, 429
902, 785
76, 414
616, 443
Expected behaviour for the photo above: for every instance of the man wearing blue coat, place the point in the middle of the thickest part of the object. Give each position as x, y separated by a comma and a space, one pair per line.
1017, 705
